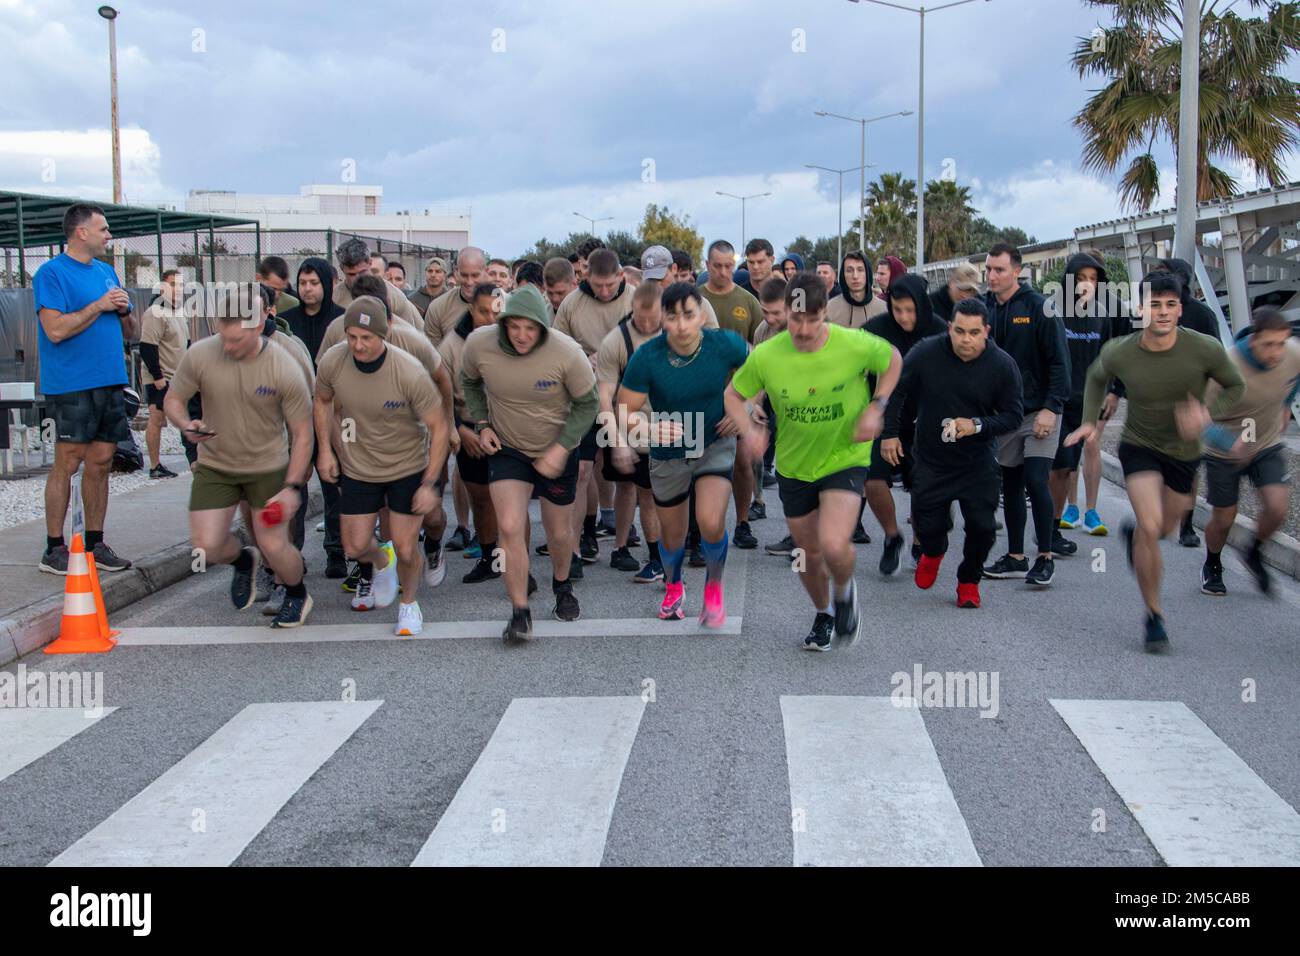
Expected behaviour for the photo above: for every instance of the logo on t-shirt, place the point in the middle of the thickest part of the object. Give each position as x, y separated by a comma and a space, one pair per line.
544, 383
393, 404
265, 390
740, 313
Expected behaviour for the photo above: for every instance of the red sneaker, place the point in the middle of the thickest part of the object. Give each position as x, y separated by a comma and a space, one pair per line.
927, 569
968, 595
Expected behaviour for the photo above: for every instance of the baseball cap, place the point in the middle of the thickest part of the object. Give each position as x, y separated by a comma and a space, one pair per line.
655, 262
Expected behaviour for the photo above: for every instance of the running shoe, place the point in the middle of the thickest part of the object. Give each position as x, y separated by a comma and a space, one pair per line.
265, 583
543, 549
822, 633
757, 511
363, 596
1212, 580
459, 540
589, 549
482, 571
410, 621
566, 604
242, 591
782, 548
968, 595
293, 612
532, 585
349, 583
1093, 524
1070, 519
161, 471
520, 627
1007, 567
889, 558
622, 560
633, 539
276, 601
714, 613
1187, 535
860, 535
385, 581
336, 566
55, 561
320, 526
435, 568
106, 559
1156, 639
916, 554
1253, 559
651, 572
674, 597
743, 538
474, 551
1042, 573
769, 478
695, 557
605, 530
848, 624
1062, 546
927, 569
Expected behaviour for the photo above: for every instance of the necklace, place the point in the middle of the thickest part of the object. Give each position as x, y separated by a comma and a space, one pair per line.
681, 361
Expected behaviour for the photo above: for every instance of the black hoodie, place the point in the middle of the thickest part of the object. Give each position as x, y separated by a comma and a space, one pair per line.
1036, 341
311, 328
887, 327
1087, 328
1197, 316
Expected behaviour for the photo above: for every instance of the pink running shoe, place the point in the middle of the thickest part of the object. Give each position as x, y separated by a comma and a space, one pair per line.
713, 614
674, 596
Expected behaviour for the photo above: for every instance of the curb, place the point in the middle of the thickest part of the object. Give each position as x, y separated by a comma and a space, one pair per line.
38, 624
1282, 552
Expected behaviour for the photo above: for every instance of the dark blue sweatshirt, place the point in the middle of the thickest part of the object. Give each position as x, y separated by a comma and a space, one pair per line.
1036, 342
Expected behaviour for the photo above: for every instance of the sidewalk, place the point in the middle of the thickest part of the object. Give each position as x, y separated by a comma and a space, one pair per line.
148, 525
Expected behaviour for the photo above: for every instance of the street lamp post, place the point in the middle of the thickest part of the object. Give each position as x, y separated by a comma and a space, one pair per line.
743, 200
920, 119
594, 221
109, 14
839, 232
862, 197
1188, 130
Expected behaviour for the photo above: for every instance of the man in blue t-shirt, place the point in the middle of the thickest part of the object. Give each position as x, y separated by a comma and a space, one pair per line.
84, 315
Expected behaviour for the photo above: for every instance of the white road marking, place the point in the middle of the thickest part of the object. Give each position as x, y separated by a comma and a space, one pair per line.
27, 734
542, 792
208, 807
1199, 803
866, 787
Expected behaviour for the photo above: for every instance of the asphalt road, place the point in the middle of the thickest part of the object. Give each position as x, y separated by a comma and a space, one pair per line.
697, 759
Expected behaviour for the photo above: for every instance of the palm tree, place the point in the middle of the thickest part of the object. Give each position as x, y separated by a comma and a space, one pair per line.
1248, 109
949, 216
891, 217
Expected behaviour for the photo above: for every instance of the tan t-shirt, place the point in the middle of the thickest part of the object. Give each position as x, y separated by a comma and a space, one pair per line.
528, 395
452, 350
1266, 390
737, 310
247, 403
443, 314
386, 408
612, 357
405, 337
168, 329
840, 312
298, 349
398, 303
588, 320
765, 332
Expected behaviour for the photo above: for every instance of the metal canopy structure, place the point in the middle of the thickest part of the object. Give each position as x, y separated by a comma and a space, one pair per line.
28, 220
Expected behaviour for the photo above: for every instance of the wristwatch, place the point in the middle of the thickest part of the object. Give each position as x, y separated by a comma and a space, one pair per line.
479, 426
979, 424
295, 486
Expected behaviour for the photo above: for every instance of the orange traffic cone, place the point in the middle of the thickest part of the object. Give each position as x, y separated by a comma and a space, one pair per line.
100, 611
80, 631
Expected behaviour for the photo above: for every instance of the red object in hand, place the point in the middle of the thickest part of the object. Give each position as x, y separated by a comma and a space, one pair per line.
272, 514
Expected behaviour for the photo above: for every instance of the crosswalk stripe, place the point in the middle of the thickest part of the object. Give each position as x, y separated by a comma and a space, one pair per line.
28, 734
542, 791
1199, 803
208, 807
866, 787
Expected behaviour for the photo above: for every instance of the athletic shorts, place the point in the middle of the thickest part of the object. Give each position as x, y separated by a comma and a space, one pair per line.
1223, 477
510, 464
358, 497
1178, 475
213, 489
93, 414
799, 498
153, 395
1014, 448
473, 470
881, 470
640, 473
588, 447
1068, 457
672, 479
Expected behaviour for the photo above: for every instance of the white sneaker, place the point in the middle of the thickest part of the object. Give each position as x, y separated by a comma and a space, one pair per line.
363, 598
435, 568
320, 526
409, 620
385, 582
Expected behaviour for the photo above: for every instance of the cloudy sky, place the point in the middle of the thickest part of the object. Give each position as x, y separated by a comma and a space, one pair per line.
524, 114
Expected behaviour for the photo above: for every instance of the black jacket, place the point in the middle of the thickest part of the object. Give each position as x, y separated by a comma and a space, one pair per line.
943, 386
941, 303
887, 327
1036, 341
1197, 316
311, 328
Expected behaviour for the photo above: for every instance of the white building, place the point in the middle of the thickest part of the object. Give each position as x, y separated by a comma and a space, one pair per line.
343, 208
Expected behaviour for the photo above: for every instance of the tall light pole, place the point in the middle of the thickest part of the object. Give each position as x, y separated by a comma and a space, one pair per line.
862, 199
743, 200
1189, 115
920, 119
594, 221
109, 14
839, 232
